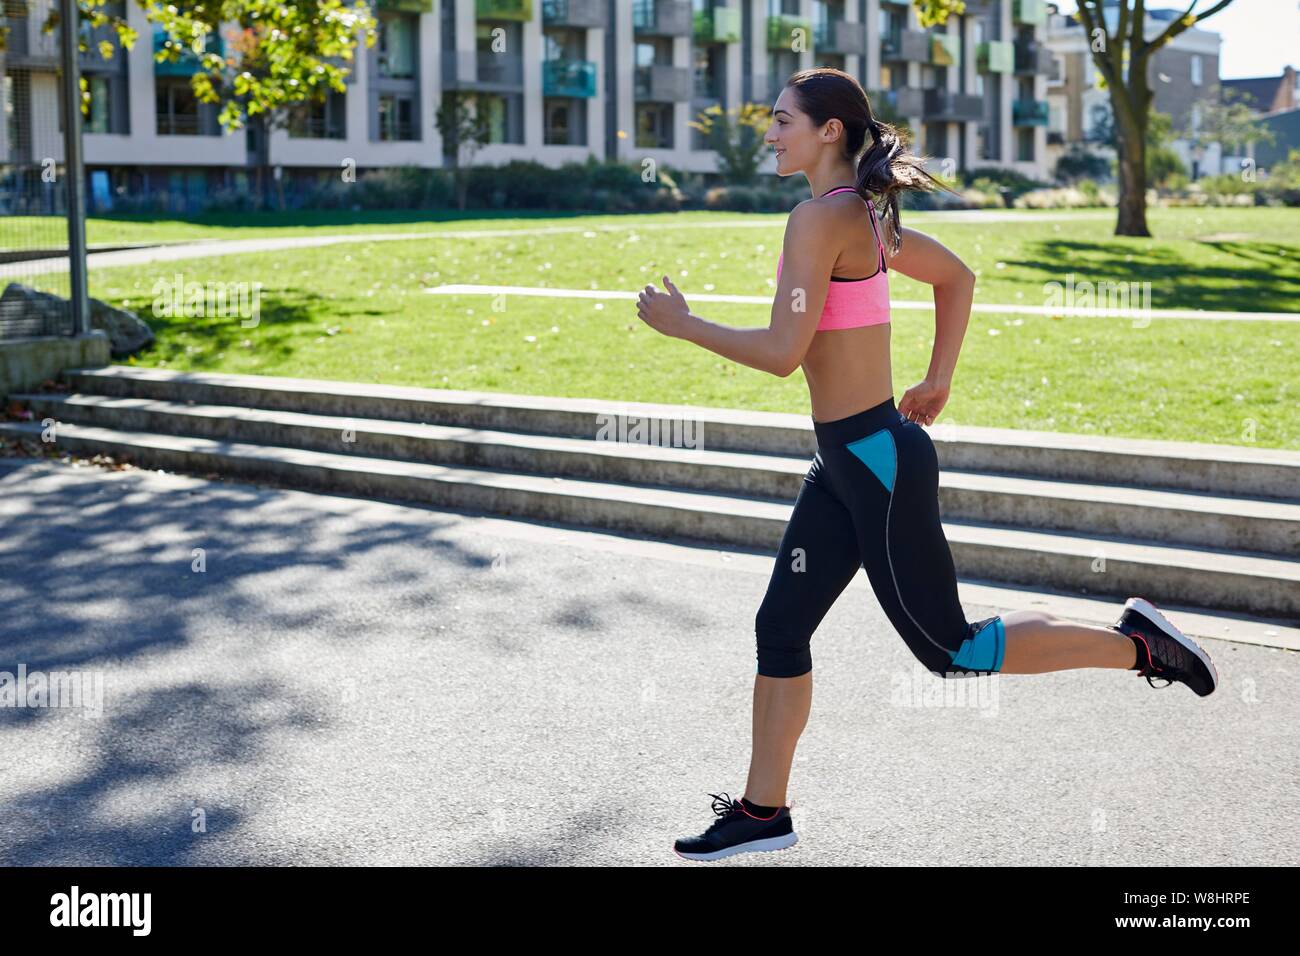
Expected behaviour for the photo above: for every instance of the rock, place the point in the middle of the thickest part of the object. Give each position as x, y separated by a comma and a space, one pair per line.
127, 332
25, 311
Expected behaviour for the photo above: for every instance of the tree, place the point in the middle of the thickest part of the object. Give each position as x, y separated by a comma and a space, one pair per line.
736, 135
279, 53
465, 128
1122, 59
1229, 122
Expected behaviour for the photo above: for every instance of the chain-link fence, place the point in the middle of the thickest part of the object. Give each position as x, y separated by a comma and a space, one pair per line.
33, 184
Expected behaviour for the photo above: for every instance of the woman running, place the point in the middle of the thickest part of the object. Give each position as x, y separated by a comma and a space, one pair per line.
870, 497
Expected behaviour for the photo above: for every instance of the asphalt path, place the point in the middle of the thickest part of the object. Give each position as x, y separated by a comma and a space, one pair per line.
331, 680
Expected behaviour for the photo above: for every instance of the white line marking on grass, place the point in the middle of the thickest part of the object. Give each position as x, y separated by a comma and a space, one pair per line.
902, 304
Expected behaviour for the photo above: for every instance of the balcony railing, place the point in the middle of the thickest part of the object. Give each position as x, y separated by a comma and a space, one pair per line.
781, 31
665, 18
719, 25
906, 46
1034, 57
521, 10
995, 56
840, 36
568, 78
315, 128
661, 83
1029, 12
945, 49
947, 106
499, 69
1029, 112
575, 13
904, 102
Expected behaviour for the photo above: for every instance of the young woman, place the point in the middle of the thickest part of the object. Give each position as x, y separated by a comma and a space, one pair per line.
870, 497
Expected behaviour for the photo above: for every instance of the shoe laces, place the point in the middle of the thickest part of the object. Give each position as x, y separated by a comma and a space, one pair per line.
1170, 655
724, 806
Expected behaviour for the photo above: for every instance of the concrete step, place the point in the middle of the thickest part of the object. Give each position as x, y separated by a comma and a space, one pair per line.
1215, 469
1263, 526
1082, 564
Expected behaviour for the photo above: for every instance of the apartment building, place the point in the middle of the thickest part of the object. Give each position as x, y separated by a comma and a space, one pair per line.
560, 80
1183, 75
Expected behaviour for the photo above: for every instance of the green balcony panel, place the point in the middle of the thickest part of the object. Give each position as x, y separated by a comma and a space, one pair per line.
404, 6
945, 49
1029, 112
722, 25
569, 78
996, 56
521, 10
188, 62
726, 25
1030, 12
780, 32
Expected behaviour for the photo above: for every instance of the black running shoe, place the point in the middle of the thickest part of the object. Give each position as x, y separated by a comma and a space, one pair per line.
738, 831
1166, 651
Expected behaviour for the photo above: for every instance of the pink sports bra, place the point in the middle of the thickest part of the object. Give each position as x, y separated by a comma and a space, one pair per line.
851, 303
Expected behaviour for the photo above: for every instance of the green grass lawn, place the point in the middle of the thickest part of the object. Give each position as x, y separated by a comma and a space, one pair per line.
358, 312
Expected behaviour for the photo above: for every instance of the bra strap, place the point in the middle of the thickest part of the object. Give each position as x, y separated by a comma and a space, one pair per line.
875, 228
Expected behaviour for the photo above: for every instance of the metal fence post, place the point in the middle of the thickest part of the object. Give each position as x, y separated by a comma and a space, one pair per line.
73, 165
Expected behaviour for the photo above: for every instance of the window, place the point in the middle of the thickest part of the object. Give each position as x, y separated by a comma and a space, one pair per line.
1196, 71
101, 103
396, 43
177, 107
396, 117
1025, 144
326, 119
654, 126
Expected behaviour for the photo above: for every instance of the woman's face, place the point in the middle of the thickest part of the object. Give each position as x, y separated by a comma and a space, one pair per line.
791, 135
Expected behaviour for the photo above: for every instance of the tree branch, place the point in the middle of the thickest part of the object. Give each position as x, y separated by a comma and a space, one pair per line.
1185, 22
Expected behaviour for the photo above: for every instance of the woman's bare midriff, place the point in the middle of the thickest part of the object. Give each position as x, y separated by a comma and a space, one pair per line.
848, 371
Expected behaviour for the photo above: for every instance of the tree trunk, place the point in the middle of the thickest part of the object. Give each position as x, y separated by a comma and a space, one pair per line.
1132, 219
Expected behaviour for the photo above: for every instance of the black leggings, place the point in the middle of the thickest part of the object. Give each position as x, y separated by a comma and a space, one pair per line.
871, 499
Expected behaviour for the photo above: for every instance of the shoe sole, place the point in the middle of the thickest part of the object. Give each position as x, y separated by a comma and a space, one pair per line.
1145, 607
771, 843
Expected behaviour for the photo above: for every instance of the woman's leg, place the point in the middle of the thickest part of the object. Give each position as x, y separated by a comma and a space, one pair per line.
1038, 642
890, 480
817, 559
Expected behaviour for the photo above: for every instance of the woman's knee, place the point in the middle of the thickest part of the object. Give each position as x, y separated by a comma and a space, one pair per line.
784, 649
980, 650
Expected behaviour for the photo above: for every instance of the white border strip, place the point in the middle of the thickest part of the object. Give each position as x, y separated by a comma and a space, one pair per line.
910, 304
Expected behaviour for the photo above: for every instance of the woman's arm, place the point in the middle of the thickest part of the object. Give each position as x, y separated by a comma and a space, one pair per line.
809, 255
930, 261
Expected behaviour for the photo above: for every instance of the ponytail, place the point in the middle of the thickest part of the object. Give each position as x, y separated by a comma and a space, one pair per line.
886, 168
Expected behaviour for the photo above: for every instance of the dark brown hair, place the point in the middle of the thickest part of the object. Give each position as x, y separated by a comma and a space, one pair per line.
886, 168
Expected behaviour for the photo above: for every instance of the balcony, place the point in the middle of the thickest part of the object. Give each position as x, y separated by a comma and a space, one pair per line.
1029, 12
945, 106
405, 6
584, 14
906, 46
187, 64
840, 36
661, 83
29, 45
1033, 57
568, 78
720, 25
780, 31
499, 69
521, 10
1029, 112
904, 102
945, 49
995, 56
663, 18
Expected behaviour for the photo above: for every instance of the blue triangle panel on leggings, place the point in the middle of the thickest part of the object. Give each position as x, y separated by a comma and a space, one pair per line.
877, 453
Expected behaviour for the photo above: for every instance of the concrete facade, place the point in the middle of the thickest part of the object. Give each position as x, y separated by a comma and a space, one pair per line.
562, 80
